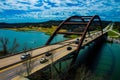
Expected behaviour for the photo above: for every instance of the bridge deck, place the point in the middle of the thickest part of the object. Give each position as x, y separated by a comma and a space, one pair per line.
59, 52
16, 58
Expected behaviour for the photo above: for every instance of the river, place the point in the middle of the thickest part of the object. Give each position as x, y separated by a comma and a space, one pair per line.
27, 39
102, 60
106, 61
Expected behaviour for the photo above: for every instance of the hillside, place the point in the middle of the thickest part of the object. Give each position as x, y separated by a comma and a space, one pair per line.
20, 25
41, 24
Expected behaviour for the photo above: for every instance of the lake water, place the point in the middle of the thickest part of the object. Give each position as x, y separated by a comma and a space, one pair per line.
109, 61
106, 60
103, 60
28, 39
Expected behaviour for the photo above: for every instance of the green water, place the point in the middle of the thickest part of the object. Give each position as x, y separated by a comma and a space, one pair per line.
104, 61
109, 61
28, 39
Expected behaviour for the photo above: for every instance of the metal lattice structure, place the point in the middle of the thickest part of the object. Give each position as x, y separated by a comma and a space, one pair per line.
84, 21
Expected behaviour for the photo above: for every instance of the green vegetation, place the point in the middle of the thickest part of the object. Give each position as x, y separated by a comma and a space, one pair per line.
47, 27
117, 27
116, 30
48, 31
74, 36
5, 49
71, 36
83, 73
39, 24
112, 34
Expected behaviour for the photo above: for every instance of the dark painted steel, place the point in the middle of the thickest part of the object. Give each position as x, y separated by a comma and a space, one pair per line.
72, 21
86, 29
59, 27
80, 44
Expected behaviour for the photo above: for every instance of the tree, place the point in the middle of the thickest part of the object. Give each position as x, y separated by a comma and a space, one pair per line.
83, 73
5, 46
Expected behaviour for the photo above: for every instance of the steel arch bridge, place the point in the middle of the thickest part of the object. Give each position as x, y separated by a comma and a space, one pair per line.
84, 21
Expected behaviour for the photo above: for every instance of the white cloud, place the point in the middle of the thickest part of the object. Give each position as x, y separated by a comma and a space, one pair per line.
19, 4
33, 1
88, 4
39, 9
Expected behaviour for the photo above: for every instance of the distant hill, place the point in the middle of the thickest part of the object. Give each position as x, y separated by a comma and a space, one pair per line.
41, 24
18, 25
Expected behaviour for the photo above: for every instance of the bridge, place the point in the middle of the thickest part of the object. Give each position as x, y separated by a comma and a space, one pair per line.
88, 29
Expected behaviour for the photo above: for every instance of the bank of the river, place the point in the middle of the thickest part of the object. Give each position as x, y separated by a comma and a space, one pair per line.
112, 34
47, 30
113, 37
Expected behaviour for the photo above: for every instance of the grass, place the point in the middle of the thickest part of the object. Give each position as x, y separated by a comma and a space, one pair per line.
116, 30
73, 36
24, 29
48, 31
112, 34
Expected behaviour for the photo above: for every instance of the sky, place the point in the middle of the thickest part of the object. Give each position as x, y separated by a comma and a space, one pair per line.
20, 11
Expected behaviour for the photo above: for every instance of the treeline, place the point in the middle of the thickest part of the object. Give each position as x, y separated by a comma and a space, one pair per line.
117, 26
20, 25
41, 24
105, 23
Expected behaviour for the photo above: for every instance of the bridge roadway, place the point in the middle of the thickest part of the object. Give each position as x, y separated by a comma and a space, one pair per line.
16, 58
15, 72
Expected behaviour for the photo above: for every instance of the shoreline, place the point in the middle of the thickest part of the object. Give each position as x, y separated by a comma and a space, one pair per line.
47, 31
113, 40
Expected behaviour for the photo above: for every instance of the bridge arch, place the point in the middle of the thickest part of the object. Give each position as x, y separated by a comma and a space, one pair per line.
86, 29
87, 21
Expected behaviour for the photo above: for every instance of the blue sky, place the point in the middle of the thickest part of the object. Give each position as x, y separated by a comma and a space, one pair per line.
17, 11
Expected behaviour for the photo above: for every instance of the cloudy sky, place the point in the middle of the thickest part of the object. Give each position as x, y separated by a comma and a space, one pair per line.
12, 11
